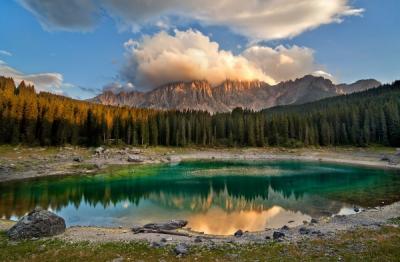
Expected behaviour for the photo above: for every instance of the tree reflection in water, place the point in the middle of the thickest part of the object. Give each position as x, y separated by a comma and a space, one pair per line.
246, 195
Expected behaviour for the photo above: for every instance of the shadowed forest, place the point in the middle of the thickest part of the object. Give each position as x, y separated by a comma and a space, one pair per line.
361, 119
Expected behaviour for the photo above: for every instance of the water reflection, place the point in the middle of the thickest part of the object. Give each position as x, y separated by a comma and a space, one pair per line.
245, 195
218, 221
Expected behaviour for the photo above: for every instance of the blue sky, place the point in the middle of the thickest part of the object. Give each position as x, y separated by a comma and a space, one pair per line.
366, 46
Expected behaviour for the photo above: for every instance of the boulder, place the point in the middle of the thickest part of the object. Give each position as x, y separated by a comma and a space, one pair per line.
38, 223
78, 159
99, 150
304, 231
181, 249
278, 235
238, 233
198, 240
134, 159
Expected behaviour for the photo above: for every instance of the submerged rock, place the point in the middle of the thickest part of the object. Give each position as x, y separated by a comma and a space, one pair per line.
38, 223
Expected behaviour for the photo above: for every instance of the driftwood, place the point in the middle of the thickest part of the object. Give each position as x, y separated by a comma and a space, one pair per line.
162, 228
159, 231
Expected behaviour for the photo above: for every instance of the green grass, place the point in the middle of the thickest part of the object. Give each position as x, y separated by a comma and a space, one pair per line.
395, 221
360, 245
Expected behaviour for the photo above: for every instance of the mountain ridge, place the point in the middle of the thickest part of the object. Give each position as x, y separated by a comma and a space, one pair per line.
255, 95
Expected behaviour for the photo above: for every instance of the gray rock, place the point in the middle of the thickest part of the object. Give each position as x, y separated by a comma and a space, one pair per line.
385, 158
238, 233
99, 150
277, 235
78, 159
285, 227
198, 240
174, 159
135, 158
356, 209
155, 244
397, 152
314, 221
38, 223
181, 249
304, 231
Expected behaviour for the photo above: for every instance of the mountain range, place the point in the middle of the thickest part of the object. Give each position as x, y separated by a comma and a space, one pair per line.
255, 95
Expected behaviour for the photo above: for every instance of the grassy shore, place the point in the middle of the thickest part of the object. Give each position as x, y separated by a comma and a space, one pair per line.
359, 245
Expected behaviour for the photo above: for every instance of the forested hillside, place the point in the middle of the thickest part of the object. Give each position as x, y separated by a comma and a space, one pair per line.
370, 117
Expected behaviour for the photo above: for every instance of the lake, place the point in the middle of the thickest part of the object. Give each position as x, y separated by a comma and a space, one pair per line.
216, 197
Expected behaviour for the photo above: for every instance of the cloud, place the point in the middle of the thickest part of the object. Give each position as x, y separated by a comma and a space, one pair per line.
69, 15
49, 82
116, 87
6, 53
283, 63
184, 56
324, 75
267, 19
190, 55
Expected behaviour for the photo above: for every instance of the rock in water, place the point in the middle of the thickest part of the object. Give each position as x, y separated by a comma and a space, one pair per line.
38, 223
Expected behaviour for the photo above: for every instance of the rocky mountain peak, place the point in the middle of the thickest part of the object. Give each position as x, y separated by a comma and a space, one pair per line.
256, 95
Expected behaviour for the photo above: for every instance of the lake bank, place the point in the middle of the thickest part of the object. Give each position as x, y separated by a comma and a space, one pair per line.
18, 163
370, 234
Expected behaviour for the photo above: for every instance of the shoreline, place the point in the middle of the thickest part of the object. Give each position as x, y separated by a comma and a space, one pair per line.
61, 161
32, 163
322, 228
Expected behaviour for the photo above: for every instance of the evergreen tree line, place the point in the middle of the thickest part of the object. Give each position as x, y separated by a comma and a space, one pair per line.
370, 117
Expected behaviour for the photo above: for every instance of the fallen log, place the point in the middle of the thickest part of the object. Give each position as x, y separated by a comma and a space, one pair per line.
158, 231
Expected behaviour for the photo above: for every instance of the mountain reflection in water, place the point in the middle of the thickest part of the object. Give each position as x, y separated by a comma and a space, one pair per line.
215, 197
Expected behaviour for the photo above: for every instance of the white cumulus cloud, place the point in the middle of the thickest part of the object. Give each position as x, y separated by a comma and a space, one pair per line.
266, 19
283, 63
184, 56
190, 55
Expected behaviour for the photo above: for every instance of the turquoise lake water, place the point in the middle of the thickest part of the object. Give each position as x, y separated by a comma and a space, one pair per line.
215, 197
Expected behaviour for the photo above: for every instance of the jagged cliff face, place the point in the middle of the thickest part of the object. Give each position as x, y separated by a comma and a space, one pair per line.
256, 95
